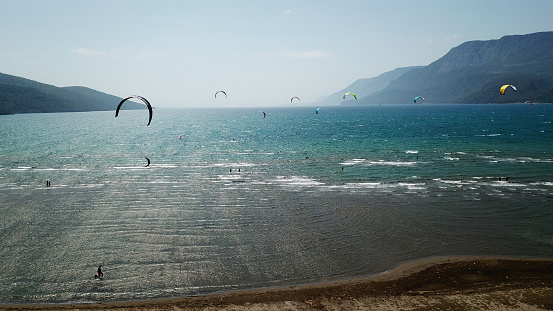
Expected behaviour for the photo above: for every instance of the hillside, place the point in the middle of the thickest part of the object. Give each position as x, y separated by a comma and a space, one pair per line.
20, 95
474, 71
364, 87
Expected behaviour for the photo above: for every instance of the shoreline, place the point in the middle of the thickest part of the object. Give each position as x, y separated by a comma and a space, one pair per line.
458, 281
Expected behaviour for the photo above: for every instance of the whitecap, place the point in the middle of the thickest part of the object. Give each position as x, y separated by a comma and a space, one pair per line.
457, 182
451, 158
543, 183
392, 163
21, 168
164, 165
130, 167
297, 181
229, 177
366, 185
353, 162
61, 169
162, 181
243, 164
505, 183
413, 186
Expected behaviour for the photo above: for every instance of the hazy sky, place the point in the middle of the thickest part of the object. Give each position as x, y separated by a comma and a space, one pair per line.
179, 53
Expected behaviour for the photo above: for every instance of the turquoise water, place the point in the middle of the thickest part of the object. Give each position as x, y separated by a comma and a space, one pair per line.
243, 202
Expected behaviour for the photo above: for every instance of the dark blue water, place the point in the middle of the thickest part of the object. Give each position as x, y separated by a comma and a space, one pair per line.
242, 202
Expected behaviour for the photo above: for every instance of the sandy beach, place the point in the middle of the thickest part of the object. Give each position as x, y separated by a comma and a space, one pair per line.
452, 283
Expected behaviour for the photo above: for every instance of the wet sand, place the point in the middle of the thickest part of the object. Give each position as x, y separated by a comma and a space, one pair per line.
452, 283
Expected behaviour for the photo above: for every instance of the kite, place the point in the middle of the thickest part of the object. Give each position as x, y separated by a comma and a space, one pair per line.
221, 92
502, 89
349, 94
139, 97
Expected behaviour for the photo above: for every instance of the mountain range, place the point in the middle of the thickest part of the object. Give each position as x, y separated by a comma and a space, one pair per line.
20, 95
365, 87
472, 72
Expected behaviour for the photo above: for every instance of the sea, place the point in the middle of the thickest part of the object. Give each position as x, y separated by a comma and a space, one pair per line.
234, 201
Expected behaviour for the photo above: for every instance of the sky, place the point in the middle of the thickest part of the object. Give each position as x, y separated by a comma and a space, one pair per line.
261, 53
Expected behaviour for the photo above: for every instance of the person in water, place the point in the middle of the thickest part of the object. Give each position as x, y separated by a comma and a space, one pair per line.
99, 274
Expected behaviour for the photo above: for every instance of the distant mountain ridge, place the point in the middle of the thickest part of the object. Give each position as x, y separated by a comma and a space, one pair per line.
474, 71
20, 95
365, 87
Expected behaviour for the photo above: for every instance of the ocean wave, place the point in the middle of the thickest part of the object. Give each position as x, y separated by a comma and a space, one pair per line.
232, 164
130, 167
392, 163
353, 162
61, 169
297, 181
520, 159
451, 158
383, 186
21, 168
543, 183
504, 183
